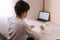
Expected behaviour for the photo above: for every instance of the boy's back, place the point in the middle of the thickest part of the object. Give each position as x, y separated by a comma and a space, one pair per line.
16, 29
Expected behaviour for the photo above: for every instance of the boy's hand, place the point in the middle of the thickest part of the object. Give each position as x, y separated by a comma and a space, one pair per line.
42, 27
32, 26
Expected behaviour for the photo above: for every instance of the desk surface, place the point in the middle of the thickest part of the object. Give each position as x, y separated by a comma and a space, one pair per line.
51, 31
47, 25
37, 25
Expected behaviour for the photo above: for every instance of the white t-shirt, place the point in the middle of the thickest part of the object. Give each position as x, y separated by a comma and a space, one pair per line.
18, 29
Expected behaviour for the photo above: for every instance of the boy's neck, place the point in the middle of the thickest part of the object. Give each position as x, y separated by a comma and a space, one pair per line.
19, 17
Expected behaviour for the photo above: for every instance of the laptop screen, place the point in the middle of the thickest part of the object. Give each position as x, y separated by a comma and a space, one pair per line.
44, 15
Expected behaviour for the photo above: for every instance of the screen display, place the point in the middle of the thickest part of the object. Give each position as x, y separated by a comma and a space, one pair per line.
44, 15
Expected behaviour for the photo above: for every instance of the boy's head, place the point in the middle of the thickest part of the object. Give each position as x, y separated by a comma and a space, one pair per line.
21, 9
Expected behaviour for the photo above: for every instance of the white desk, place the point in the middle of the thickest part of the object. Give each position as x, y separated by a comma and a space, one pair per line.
51, 31
37, 28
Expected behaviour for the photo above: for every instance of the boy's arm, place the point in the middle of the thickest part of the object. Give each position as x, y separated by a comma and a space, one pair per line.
30, 32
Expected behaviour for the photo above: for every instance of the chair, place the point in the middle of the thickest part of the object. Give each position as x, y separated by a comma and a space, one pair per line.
2, 37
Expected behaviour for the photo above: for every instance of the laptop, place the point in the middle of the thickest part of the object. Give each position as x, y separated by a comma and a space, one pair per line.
44, 16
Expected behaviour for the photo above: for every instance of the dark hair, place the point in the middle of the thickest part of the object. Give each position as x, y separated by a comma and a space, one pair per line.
20, 7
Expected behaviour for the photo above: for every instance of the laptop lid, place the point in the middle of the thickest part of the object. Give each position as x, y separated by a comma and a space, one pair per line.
44, 16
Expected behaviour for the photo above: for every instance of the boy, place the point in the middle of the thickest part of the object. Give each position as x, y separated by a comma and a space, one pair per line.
18, 29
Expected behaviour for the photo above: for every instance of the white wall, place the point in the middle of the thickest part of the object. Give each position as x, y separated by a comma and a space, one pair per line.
35, 7
4, 26
6, 11
53, 6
